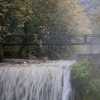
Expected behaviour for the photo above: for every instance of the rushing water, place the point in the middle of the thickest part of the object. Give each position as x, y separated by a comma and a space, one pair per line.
45, 81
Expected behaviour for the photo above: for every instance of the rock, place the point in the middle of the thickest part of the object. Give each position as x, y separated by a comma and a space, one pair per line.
31, 57
43, 58
24, 62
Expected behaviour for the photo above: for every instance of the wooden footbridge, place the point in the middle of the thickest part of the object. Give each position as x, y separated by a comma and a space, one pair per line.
77, 39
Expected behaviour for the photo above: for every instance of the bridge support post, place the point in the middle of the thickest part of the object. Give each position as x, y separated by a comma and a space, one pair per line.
27, 51
1, 53
85, 39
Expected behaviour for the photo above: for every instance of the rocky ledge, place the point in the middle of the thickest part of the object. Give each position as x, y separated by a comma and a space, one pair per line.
22, 61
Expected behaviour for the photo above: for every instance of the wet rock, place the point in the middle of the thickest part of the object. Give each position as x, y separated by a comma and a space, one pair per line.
31, 57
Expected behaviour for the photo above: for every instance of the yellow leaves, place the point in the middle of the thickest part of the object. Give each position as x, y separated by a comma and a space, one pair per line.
20, 26
43, 31
96, 22
18, 15
4, 10
1, 14
15, 12
23, 9
21, 16
4, 4
1, 39
30, 12
96, 18
28, 17
71, 13
40, 27
40, 42
23, 12
2, 28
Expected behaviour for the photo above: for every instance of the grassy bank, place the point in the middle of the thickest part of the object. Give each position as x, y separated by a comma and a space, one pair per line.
86, 80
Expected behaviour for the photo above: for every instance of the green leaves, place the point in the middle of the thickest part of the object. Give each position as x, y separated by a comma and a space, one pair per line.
43, 17
64, 16
81, 78
14, 14
81, 71
85, 80
93, 10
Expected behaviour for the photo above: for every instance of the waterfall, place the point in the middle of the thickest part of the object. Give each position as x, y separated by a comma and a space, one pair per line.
44, 81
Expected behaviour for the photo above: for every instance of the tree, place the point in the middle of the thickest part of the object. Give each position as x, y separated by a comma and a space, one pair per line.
14, 14
93, 10
43, 17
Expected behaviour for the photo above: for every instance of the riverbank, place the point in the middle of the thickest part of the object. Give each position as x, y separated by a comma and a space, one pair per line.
25, 62
21, 61
85, 80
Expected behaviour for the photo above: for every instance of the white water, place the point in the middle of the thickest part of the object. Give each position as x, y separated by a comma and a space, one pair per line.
45, 81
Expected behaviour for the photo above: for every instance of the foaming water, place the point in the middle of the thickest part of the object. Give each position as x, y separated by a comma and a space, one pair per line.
45, 81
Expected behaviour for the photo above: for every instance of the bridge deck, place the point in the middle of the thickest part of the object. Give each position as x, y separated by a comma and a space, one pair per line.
78, 39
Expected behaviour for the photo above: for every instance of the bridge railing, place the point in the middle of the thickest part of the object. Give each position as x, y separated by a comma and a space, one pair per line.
77, 39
